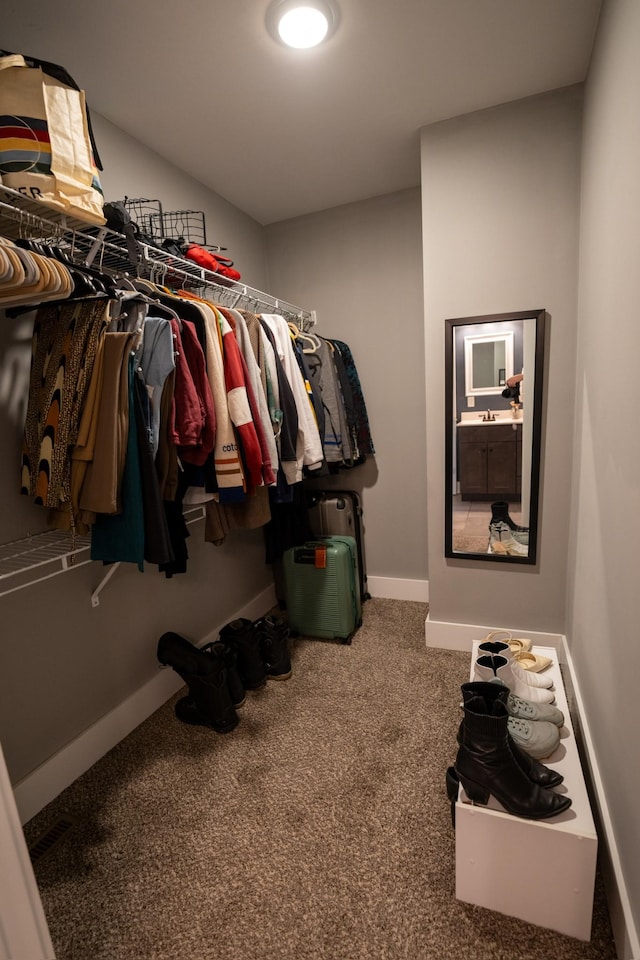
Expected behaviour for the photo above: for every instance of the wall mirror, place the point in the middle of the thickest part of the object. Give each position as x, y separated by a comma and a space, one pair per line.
488, 362
493, 406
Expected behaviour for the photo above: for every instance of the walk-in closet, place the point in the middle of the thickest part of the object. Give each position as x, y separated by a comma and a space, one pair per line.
320, 482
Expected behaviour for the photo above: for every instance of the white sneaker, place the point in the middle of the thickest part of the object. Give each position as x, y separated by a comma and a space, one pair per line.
538, 738
526, 710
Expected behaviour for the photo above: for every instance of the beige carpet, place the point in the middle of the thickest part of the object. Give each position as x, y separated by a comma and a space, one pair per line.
319, 828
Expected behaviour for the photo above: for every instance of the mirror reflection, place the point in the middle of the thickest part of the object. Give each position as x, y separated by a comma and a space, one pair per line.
494, 396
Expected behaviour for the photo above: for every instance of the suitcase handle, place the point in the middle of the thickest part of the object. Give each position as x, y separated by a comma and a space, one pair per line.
314, 554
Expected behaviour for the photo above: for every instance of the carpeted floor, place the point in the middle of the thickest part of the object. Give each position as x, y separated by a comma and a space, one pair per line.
319, 828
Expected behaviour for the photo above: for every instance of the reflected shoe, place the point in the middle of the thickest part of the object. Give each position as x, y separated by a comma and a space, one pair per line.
491, 668
500, 514
502, 541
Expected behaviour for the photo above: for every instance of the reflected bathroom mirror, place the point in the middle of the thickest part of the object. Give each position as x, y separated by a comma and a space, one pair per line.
493, 408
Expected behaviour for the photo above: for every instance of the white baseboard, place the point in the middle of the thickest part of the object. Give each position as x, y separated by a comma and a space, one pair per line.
41, 786
389, 588
460, 636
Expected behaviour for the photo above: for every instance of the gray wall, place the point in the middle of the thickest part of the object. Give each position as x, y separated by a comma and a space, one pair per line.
605, 528
500, 192
65, 664
359, 266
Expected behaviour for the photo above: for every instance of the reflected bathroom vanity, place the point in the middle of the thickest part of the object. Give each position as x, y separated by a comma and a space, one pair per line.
490, 458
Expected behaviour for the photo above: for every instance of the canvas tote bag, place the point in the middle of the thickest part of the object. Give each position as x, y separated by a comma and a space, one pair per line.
46, 150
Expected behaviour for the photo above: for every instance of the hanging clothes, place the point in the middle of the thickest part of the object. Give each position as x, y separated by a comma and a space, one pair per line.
309, 452
120, 537
363, 430
64, 346
142, 401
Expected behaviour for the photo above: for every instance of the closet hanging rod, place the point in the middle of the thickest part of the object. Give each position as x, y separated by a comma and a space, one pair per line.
22, 217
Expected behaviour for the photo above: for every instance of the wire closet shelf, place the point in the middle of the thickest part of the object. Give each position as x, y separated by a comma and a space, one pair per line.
101, 248
40, 556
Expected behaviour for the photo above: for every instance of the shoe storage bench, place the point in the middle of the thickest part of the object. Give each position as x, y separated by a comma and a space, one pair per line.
541, 871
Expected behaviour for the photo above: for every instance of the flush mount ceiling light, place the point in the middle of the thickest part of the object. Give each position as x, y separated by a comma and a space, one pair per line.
302, 23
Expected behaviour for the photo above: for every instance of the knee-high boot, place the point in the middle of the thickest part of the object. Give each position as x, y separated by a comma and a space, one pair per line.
208, 702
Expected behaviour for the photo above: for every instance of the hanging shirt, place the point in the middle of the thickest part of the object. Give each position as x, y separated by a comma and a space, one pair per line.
308, 446
156, 363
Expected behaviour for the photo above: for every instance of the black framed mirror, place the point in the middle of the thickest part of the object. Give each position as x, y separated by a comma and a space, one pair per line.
494, 368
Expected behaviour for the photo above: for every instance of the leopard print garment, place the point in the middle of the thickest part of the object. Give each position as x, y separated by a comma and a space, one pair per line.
63, 350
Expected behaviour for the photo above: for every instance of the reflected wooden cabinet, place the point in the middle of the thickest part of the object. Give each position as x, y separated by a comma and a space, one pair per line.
490, 461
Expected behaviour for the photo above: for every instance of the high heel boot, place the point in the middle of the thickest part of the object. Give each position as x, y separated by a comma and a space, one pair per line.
243, 637
537, 772
487, 767
208, 702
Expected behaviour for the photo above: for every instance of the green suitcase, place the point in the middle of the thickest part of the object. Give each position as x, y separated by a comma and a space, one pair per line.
322, 589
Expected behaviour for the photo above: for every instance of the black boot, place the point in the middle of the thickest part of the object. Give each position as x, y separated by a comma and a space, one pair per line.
229, 659
208, 702
274, 646
536, 771
486, 765
242, 636
453, 785
500, 512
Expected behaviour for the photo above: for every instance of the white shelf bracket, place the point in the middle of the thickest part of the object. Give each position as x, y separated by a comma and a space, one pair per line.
95, 596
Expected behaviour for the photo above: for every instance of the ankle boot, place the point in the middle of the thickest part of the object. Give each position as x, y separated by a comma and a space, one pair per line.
208, 702
228, 657
529, 676
491, 667
487, 767
500, 511
244, 639
536, 771
274, 646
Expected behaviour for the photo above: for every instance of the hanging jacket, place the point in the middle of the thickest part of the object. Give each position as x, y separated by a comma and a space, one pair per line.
239, 408
309, 452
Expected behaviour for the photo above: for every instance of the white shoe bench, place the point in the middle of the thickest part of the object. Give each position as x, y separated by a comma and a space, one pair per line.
541, 871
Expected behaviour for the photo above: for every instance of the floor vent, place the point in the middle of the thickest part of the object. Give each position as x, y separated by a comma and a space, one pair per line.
54, 835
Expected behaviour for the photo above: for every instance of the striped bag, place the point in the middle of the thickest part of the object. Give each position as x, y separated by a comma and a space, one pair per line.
46, 149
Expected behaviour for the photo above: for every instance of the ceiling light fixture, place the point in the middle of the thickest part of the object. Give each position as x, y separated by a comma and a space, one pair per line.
302, 24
